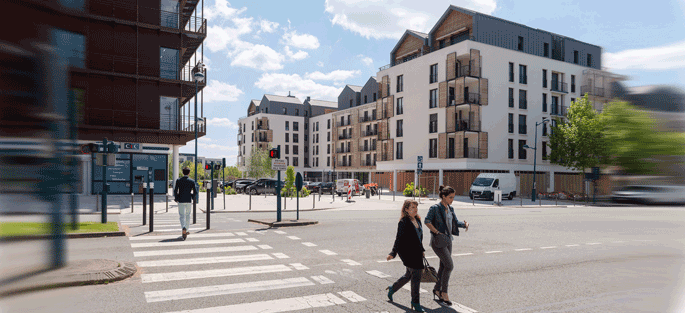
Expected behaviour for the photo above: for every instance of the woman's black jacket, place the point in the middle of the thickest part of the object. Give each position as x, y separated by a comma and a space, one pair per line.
408, 245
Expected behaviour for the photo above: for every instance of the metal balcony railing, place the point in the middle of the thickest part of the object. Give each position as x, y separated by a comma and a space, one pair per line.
368, 148
472, 153
467, 125
344, 136
559, 110
363, 119
559, 87
343, 150
469, 98
149, 15
467, 70
369, 133
343, 123
593, 91
188, 71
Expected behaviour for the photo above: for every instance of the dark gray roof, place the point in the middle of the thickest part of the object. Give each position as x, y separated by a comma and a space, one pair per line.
284, 99
354, 88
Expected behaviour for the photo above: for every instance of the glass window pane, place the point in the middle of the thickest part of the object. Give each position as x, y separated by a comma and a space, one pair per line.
169, 13
70, 46
168, 63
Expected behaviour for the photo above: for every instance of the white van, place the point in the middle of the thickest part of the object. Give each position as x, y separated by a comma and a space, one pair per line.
343, 185
484, 186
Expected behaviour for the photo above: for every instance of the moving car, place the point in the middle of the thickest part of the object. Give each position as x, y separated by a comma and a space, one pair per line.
647, 194
240, 184
484, 186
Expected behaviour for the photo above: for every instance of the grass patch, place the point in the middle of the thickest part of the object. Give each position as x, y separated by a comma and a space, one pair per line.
26, 228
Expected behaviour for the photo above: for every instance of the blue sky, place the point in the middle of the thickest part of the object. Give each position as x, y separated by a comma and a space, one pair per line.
314, 48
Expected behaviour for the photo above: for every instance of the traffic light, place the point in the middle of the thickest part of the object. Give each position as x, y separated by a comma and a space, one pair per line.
93, 147
208, 166
217, 167
112, 148
274, 154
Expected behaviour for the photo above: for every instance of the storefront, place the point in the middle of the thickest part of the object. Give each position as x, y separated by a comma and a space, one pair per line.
135, 164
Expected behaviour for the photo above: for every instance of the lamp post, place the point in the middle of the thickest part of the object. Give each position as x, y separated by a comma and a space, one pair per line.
198, 76
535, 150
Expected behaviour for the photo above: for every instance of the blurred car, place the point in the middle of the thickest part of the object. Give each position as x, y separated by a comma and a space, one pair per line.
267, 186
327, 188
240, 185
314, 187
647, 194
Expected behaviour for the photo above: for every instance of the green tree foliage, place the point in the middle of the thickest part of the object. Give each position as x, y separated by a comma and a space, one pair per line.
632, 141
191, 166
259, 164
289, 179
232, 172
578, 143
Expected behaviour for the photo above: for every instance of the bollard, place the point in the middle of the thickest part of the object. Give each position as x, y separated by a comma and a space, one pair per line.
556, 200
393, 195
521, 198
97, 202
473, 201
250, 207
131, 202
209, 205
320, 192
540, 201
167, 203
313, 202
145, 205
152, 207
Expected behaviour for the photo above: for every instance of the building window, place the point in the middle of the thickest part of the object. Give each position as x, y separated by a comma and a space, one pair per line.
287, 125
328, 136
285, 111
544, 78
350, 103
575, 56
296, 150
433, 101
511, 123
523, 99
573, 83
71, 46
399, 131
511, 72
296, 126
168, 63
433, 124
544, 102
398, 154
306, 137
523, 128
365, 101
433, 148
252, 125
329, 124
287, 149
168, 107
545, 50
544, 150
511, 148
169, 13
523, 75
400, 108
287, 137
317, 138
328, 161
328, 149
520, 47
252, 140
511, 97
295, 163
589, 60
544, 128
400, 83
297, 112
374, 96
522, 150
433, 73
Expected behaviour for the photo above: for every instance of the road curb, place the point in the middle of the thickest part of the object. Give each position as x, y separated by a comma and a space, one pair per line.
284, 223
68, 236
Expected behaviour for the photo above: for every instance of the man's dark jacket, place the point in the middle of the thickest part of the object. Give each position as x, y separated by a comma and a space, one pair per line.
185, 190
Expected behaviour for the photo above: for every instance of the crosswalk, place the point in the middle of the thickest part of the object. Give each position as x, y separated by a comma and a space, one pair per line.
227, 265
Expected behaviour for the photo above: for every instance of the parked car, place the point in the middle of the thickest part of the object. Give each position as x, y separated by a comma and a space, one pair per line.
314, 187
240, 185
267, 186
327, 188
650, 194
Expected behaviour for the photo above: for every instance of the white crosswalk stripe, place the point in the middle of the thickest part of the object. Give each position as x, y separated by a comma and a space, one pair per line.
185, 243
185, 275
210, 260
279, 305
161, 237
193, 251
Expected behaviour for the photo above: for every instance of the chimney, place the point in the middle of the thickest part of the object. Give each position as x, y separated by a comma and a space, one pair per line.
308, 98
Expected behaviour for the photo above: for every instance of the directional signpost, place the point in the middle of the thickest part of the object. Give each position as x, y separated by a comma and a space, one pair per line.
419, 170
278, 165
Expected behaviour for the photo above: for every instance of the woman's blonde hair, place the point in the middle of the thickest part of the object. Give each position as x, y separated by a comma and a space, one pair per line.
406, 205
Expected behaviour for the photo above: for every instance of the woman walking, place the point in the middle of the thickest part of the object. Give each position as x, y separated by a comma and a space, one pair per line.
443, 224
408, 245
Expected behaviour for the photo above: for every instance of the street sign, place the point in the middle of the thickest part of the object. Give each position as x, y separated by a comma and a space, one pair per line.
419, 159
419, 165
278, 165
419, 171
298, 181
141, 168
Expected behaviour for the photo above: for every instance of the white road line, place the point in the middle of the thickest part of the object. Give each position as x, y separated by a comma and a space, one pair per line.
280, 232
193, 251
239, 233
160, 277
140, 223
351, 262
618, 241
165, 225
299, 266
462, 254
252, 239
493, 252
407, 287
265, 247
185, 243
208, 291
593, 243
161, 237
294, 237
280, 255
210, 260
462, 308
393, 260
276, 306
378, 274
322, 280
178, 229
432, 257
351, 296
309, 244
573, 245
550, 247
523, 249
328, 252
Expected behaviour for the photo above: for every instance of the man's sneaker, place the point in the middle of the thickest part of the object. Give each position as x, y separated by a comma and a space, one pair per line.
184, 234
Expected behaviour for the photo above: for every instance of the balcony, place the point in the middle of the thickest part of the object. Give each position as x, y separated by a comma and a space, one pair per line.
368, 163
343, 150
467, 125
363, 119
469, 98
593, 91
559, 110
343, 123
467, 70
368, 148
369, 133
559, 87
344, 136
472, 153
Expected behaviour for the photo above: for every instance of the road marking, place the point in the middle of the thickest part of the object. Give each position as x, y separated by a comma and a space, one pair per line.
618, 241
351, 262
351, 296
408, 287
252, 239
280, 255
185, 275
294, 237
462, 308
239, 233
393, 260
185, 243
157, 223
177, 229
378, 274
574, 245
462, 254
322, 280
160, 237
493, 252
280, 232
265, 247
328, 252
299, 266
432, 257
593, 243
276, 306
211, 260
550, 247
193, 251
208, 291
524, 249
309, 244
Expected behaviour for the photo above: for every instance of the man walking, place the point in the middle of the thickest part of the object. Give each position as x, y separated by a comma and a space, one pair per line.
185, 190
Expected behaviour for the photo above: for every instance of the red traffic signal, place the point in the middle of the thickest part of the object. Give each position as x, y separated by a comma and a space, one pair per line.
208, 166
274, 154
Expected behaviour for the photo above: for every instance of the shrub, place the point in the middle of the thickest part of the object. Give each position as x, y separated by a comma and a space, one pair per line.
292, 192
229, 190
410, 190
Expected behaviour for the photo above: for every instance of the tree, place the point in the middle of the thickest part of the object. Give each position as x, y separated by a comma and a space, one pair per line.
633, 143
191, 166
231, 172
259, 164
579, 142
289, 179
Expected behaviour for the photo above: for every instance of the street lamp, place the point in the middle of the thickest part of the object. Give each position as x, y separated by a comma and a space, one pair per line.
198, 76
535, 150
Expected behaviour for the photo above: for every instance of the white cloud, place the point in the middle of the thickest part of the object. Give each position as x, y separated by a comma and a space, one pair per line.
218, 91
373, 19
205, 139
304, 41
214, 147
320, 64
221, 122
278, 83
267, 26
337, 75
666, 57
222, 10
258, 57
300, 55
366, 60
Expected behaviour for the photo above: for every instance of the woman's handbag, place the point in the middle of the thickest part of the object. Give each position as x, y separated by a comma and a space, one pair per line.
440, 240
428, 274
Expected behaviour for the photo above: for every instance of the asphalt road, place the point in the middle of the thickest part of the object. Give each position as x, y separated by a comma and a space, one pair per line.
580, 259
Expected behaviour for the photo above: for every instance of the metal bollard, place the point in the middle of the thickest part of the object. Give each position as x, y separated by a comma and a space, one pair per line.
97, 202
540, 201
152, 207
144, 206
131, 202
521, 198
313, 202
209, 205
250, 207
556, 200
167, 203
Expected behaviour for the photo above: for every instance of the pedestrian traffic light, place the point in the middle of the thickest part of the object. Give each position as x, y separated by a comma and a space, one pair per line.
274, 154
217, 167
208, 166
